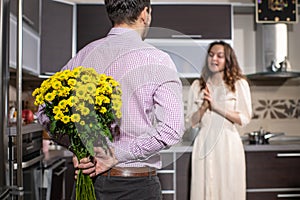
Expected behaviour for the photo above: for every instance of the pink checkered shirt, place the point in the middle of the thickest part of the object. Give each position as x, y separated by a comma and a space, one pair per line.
152, 108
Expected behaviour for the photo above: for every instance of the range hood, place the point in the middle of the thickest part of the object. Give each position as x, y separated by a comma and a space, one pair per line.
272, 53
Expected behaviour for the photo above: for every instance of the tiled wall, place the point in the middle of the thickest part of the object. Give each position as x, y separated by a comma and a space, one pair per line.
275, 109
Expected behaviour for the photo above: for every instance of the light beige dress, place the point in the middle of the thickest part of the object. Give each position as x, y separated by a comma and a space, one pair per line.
218, 159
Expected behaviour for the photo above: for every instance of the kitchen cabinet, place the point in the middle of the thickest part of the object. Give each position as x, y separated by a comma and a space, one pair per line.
31, 47
31, 12
176, 172
273, 174
56, 35
92, 23
70, 173
199, 21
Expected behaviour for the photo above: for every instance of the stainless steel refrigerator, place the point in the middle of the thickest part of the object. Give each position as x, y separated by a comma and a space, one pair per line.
4, 87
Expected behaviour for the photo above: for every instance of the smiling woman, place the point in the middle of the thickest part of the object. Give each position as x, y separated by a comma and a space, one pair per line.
218, 102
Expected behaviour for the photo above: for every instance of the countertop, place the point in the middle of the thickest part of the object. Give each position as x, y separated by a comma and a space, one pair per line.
52, 156
188, 147
26, 128
184, 146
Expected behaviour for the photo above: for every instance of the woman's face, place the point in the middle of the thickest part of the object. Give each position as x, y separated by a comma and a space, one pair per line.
216, 59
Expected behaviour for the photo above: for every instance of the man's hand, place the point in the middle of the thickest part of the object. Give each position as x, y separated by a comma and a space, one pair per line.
105, 159
101, 162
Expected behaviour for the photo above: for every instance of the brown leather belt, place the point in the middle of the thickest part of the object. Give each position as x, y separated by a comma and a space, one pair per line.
130, 172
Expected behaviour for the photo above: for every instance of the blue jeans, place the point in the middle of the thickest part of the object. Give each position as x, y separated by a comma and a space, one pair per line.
127, 188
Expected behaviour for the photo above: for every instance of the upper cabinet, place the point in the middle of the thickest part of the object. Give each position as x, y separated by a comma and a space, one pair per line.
198, 21
92, 23
30, 36
31, 12
56, 35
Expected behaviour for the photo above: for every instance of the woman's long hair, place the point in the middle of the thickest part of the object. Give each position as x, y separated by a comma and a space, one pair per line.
232, 70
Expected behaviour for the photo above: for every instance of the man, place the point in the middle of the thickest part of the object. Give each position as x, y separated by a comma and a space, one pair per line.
152, 111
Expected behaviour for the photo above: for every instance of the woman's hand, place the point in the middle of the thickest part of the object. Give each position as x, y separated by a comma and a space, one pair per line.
207, 100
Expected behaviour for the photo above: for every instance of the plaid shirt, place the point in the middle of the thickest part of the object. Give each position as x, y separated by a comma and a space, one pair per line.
152, 107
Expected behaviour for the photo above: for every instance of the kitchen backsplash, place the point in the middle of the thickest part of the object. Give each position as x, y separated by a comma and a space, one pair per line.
275, 109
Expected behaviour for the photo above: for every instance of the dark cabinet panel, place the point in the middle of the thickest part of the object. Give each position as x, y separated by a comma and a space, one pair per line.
70, 178
31, 12
272, 170
56, 35
273, 175
273, 195
92, 23
195, 20
200, 21
183, 175
166, 181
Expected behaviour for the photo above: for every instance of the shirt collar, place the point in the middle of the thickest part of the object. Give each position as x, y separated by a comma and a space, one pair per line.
120, 31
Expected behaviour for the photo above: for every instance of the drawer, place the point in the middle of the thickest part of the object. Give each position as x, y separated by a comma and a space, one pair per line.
291, 195
273, 169
166, 181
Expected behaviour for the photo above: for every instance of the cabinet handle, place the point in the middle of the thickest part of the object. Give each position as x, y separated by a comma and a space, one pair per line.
187, 36
287, 195
61, 171
282, 155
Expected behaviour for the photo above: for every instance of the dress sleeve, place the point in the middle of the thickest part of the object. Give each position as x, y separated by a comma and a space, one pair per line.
193, 102
244, 103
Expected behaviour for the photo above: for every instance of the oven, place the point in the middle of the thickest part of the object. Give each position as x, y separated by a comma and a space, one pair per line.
52, 185
32, 158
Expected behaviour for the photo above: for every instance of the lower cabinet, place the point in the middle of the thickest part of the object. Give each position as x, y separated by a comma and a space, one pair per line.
273, 175
70, 178
270, 174
175, 175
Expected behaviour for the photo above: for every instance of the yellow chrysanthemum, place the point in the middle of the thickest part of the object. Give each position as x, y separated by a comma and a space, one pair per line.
114, 83
90, 100
56, 84
76, 71
103, 110
49, 97
62, 104
82, 123
85, 78
58, 116
39, 100
72, 101
85, 111
91, 88
98, 100
65, 119
72, 82
81, 93
56, 110
106, 100
75, 117
36, 91
67, 73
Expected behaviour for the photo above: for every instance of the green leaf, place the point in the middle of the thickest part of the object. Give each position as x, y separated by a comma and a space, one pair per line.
53, 126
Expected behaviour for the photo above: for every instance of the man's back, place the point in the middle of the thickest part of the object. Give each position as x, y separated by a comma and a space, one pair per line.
149, 81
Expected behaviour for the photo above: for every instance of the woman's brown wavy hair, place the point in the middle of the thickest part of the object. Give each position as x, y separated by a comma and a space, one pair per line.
232, 70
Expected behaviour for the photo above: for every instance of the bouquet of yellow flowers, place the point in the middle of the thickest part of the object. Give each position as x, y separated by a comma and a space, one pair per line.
81, 105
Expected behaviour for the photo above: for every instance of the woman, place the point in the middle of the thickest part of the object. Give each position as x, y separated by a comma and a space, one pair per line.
218, 102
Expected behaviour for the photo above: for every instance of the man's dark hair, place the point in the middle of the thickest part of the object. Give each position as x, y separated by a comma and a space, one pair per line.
125, 11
